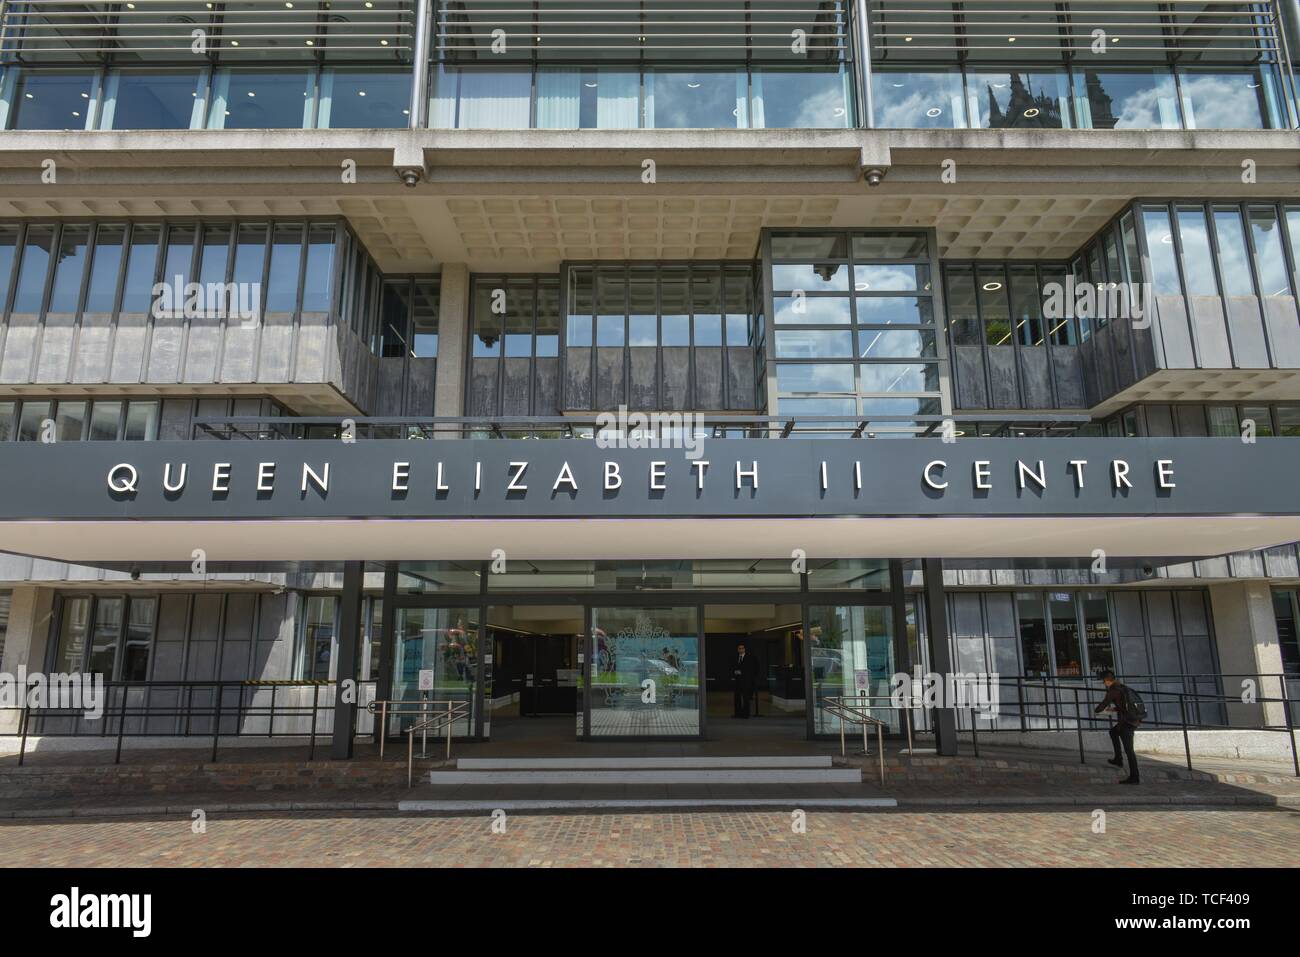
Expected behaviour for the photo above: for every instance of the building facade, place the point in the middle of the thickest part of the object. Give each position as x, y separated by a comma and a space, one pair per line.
532, 356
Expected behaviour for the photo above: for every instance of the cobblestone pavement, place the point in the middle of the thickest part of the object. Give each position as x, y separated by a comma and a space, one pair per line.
985, 838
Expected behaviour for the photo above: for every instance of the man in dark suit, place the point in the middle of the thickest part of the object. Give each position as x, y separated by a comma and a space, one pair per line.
744, 675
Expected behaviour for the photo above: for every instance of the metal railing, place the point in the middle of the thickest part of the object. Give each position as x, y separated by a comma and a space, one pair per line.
855, 709
1067, 705
186, 709
436, 716
587, 426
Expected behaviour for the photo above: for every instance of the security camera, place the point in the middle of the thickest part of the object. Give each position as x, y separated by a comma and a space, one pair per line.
874, 176
1148, 570
135, 574
411, 176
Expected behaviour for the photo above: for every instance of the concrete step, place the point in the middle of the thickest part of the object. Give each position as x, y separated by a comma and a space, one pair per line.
642, 763
668, 775
625, 804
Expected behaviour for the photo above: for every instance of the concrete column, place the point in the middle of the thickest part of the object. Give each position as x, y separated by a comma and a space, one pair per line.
936, 626
1245, 636
345, 676
30, 612
453, 342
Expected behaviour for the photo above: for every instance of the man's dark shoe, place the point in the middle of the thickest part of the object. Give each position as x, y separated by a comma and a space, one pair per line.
1118, 762
1130, 781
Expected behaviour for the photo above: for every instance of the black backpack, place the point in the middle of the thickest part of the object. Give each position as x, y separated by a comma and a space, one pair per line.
1131, 705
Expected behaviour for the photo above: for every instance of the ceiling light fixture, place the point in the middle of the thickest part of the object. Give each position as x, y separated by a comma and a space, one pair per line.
933, 111
992, 286
1031, 112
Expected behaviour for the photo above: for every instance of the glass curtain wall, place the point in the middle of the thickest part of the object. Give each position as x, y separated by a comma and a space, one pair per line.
1135, 66
854, 327
851, 649
436, 660
660, 65
140, 69
659, 337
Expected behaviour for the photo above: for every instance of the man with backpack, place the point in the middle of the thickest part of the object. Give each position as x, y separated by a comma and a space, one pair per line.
1129, 713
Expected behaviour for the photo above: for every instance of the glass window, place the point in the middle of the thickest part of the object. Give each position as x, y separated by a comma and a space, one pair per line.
1126, 100
420, 578
1019, 100
846, 640
69, 268
1160, 250
491, 99
141, 262
70, 421
963, 313
918, 100
810, 377
365, 99
1026, 305
106, 636
250, 258
152, 100
286, 265
793, 99
894, 277
141, 421
1223, 421
51, 100
396, 316
32, 419
818, 277
179, 258
105, 420
214, 260
1065, 635
809, 247
35, 266
1034, 654
570, 98
1061, 329
900, 377
1132, 255
674, 302
1198, 265
8, 253
319, 280
994, 305
812, 310
1265, 231
519, 321
1288, 420
1284, 611
696, 100
74, 628
813, 344
446, 642
7, 420
1262, 418
892, 344
139, 636
105, 264
1230, 242
894, 310
645, 672
425, 322
1096, 625
1224, 100
863, 574
261, 100
318, 637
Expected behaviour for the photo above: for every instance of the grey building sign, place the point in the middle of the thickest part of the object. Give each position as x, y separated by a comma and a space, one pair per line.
575, 478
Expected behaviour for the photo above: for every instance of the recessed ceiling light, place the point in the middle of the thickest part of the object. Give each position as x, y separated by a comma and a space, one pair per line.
1011, 39
907, 39
289, 4
406, 112
85, 96
693, 86
992, 286
933, 111
361, 92
311, 43
1167, 239
1031, 112
29, 96
251, 93
899, 86
75, 113
590, 86
234, 43
383, 43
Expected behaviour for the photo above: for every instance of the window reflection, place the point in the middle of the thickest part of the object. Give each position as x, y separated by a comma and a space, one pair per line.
1128, 99
695, 100
798, 99
140, 100
49, 100
906, 100
1019, 100
364, 99
1224, 100
261, 100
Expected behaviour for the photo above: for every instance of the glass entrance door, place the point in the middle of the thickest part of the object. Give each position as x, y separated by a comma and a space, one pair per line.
645, 672
436, 659
851, 652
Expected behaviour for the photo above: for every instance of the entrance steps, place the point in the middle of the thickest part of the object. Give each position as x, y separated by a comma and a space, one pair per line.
613, 771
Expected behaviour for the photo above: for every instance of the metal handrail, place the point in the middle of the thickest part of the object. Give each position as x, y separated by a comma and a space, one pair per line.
435, 719
846, 708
